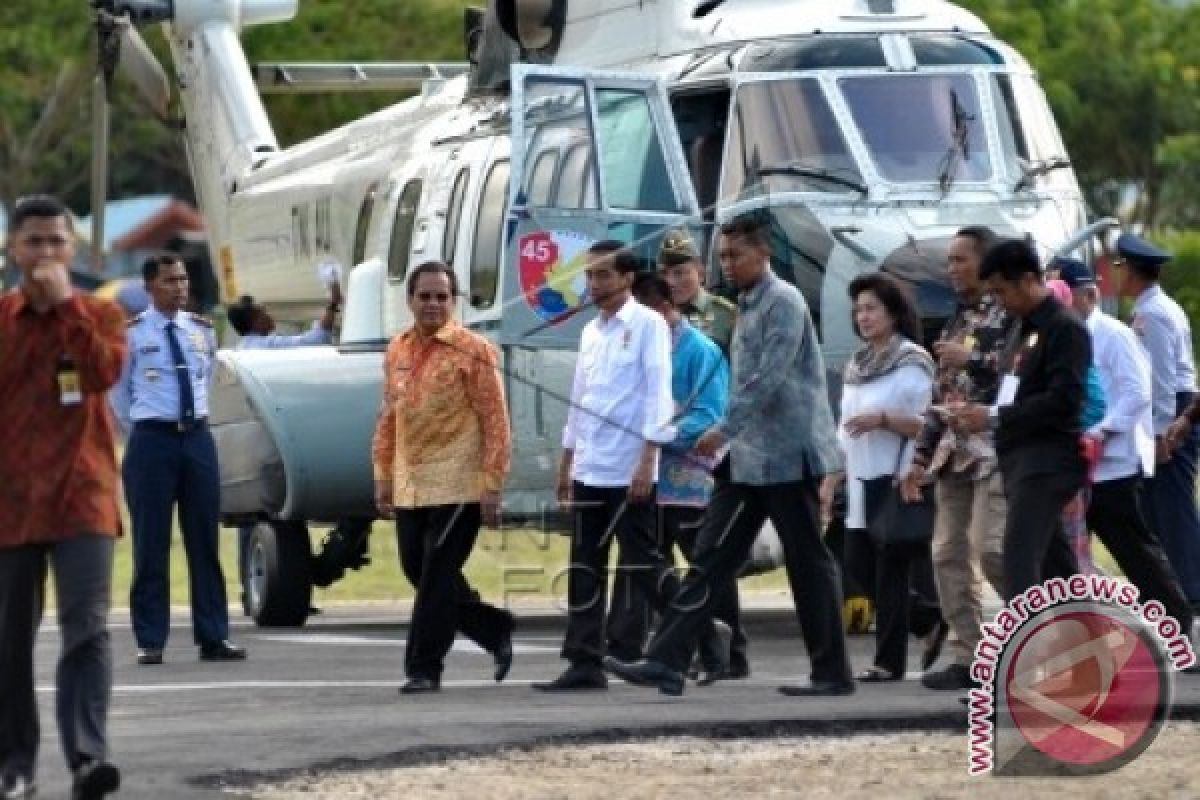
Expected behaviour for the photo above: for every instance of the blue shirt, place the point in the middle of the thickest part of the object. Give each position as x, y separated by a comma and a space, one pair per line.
278, 341
148, 387
1095, 404
700, 389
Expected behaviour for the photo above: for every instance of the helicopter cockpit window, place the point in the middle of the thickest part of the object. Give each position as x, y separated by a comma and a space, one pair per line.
949, 51
1012, 135
402, 228
784, 138
634, 165
489, 227
557, 120
816, 53
921, 128
454, 214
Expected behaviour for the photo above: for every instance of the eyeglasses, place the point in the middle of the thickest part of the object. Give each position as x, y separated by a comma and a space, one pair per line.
37, 240
1117, 262
429, 297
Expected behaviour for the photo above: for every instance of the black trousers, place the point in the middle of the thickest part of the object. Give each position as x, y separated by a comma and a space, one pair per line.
82, 582
734, 517
900, 575
1117, 518
1035, 545
630, 614
602, 514
434, 543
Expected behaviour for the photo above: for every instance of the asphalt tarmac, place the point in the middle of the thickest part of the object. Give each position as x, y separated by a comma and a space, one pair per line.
325, 697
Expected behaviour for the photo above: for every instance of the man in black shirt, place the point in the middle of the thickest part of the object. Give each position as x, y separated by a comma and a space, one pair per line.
1036, 418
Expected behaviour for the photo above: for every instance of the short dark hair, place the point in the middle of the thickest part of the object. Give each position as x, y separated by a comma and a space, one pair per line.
650, 288
154, 263
432, 267
622, 258
1011, 259
241, 314
40, 206
984, 237
896, 299
753, 226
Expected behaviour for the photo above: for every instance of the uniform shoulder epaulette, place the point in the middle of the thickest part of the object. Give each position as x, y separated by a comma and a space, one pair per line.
136, 319
724, 303
200, 319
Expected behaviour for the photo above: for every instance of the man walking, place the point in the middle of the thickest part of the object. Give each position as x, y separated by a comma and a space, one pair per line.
60, 352
620, 415
1036, 418
1163, 328
161, 400
968, 536
441, 452
1126, 440
781, 440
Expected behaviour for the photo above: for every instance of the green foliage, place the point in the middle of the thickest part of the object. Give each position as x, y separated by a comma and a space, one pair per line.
1181, 277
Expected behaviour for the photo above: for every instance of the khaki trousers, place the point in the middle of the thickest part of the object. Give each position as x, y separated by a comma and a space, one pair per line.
968, 546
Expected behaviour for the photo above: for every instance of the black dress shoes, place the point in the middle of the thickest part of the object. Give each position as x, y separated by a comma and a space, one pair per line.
420, 685
149, 656
734, 672
647, 673
576, 677
16, 787
222, 651
819, 689
94, 780
503, 654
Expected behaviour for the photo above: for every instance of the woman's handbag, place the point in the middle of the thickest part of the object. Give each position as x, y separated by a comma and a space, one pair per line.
890, 520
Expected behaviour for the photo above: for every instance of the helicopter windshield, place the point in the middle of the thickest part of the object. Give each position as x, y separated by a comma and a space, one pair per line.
920, 128
784, 137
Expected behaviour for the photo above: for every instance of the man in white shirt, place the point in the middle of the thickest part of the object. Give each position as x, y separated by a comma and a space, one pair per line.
1126, 435
621, 408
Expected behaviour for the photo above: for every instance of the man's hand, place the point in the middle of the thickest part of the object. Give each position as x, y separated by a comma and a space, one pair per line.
951, 355
51, 283
970, 418
828, 488
864, 423
383, 499
1178, 431
709, 443
1162, 449
642, 485
489, 504
910, 485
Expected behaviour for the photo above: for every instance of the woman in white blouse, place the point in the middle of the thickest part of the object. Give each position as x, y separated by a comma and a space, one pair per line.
887, 388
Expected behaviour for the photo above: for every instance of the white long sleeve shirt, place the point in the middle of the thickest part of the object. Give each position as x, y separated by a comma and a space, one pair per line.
909, 391
1164, 330
621, 395
1127, 427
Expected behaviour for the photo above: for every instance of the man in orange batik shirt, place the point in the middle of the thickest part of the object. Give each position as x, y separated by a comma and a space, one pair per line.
441, 453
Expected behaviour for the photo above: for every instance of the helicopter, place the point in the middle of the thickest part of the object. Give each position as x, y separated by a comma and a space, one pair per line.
870, 131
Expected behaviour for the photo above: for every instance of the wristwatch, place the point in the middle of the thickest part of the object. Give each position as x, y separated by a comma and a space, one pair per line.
993, 419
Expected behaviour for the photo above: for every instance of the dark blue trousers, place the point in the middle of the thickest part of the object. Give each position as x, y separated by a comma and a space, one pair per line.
164, 467
1171, 509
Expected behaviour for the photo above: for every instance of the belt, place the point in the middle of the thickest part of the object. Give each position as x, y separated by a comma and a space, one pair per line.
171, 425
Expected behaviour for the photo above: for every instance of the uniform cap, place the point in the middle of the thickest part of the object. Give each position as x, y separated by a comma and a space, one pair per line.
677, 247
1136, 249
1073, 272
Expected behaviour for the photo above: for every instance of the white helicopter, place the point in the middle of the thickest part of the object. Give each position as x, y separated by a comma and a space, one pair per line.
871, 130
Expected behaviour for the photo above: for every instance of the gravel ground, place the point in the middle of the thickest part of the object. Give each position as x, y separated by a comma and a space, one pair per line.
875, 766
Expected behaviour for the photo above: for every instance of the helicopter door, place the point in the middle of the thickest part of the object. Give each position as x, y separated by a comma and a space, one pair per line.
595, 155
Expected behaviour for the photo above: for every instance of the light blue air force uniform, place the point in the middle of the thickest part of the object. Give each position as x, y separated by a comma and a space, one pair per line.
161, 401
314, 336
1164, 331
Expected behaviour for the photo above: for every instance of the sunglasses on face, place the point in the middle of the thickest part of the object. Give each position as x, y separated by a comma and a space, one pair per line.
429, 297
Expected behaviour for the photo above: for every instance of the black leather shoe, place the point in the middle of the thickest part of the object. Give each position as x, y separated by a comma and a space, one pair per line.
819, 689
149, 656
503, 655
576, 677
933, 642
647, 673
222, 651
94, 780
953, 678
16, 787
734, 672
420, 685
